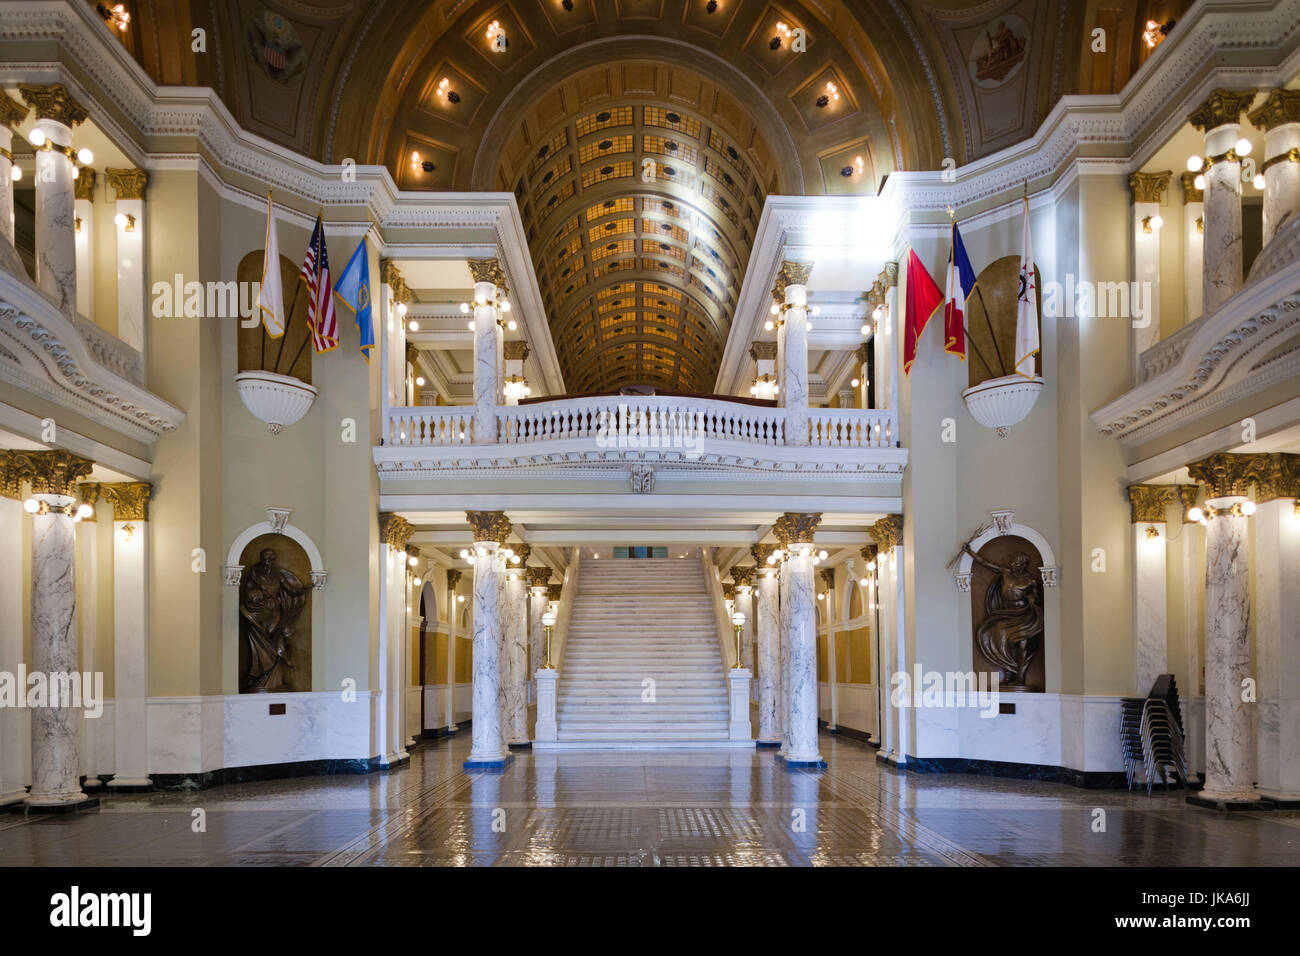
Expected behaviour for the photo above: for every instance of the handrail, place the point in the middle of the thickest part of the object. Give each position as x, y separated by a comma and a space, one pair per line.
568, 595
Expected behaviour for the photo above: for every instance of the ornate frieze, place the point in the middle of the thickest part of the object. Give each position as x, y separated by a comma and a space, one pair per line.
796, 528
539, 577
1147, 503
489, 525
54, 102
53, 472
83, 187
1149, 187
488, 270
516, 350
130, 499
394, 530
11, 112
127, 183
1190, 192
763, 351
1227, 475
888, 532
1281, 107
1223, 107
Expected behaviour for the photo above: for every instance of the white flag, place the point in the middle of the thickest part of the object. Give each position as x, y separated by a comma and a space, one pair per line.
271, 300
1026, 308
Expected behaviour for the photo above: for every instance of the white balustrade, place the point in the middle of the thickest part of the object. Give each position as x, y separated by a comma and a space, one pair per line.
851, 428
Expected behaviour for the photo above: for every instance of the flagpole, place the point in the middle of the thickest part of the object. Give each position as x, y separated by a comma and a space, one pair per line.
952, 220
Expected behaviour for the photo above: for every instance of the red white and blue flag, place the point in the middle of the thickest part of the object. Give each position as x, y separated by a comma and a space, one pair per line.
320, 307
961, 283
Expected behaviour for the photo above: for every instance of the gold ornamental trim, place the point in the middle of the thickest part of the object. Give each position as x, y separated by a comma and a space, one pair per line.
130, 499
83, 187
554, 592
761, 552
516, 350
762, 351
524, 551
1149, 187
1190, 192
1147, 503
744, 577
392, 277
1227, 475
394, 530
1281, 107
1187, 495
127, 183
54, 102
888, 532
1222, 108
53, 472
790, 273
1280, 479
728, 591
828, 578
12, 473
796, 527
412, 354
488, 270
539, 577
12, 112
489, 525
453, 579
870, 552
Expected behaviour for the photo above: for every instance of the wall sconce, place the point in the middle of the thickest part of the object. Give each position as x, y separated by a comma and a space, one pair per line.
782, 32
496, 35
116, 17
125, 221
516, 387
1154, 32
765, 386
1200, 224
445, 91
832, 95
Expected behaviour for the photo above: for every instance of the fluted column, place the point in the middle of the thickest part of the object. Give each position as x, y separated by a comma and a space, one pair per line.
11, 114
130, 501
129, 184
538, 582
1148, 190
394, 532
1229, 760
1279, 118
769, 651
1193, 248
1277, 629
488, 348
1218, 118
15, 735
56, 252
1150, 615
795, 531
453, 615
55, 764
515, 662
791, 293
488, 748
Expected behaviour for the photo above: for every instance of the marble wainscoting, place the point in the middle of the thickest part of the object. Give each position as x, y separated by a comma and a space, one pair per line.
435, 706
203, 741
857, 709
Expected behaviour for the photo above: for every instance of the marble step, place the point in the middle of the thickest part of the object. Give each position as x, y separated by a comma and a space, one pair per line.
650, 735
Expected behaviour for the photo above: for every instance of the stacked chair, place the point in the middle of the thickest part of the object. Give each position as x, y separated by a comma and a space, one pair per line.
1151, 735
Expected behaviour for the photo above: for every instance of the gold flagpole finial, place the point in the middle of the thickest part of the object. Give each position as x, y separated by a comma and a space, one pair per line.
951, 216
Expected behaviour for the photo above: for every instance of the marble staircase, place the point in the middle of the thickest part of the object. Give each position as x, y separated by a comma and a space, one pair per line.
636, 620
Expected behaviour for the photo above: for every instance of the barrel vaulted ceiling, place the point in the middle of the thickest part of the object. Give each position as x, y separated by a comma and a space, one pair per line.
881, 85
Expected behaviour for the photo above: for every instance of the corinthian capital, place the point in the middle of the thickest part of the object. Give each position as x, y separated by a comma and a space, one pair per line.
1281, 107
54, 102
489, 525
128, 183
1226, 475
539, 577
394, 530
1147, 502
488, 270
130, 499
1223, 107
888, 532
11, 113
53, 472
796, 527
1149, 187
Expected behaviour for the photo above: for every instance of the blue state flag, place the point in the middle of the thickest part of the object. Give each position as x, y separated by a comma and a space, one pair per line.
353, 288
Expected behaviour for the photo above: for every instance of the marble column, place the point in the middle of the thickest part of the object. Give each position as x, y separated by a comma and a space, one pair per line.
412, 636
130, 501
488, 348
1148, 190
769, 651
888, 535
892, 360
832, 661
796, 533
55, 764
1218, 118
1150, 591
1279, 117
453, 616
766, 381
861, 361
783, 665
394, 532
1193, 248
84, 211
11, 114
538, 579
56, 252
515, 663
15, 735
792, 291
488, 748
129, 184
744, 581
1229, 757
1277, 630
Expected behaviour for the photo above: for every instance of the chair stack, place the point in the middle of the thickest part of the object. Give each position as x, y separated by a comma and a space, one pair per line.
1151, 735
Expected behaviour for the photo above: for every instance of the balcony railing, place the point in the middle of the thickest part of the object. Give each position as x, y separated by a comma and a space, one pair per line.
659, 419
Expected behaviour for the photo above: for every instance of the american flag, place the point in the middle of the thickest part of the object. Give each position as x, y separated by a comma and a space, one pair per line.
320, 307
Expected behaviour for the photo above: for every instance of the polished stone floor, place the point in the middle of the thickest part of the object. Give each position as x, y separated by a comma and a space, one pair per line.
665, 809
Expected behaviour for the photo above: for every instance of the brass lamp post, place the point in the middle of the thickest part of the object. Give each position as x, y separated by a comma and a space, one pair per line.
548, 622
738, 622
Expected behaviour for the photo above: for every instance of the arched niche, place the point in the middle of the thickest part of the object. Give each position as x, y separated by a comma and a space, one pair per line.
991, 321
275, 605
291, 353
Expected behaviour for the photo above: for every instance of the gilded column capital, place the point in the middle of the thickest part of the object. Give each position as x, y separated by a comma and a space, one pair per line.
453, 579
869, 553
1149, 187
554, 592
53, 472
1281, 107
790, 273
488, 270
1147, 503
489, 525
761, 552
1223, 107
828, 578
1190, 192
888, 532
889, 275
412, 551
796, 528
1280, 479
83, 187
862, 353
392, 277
127, 183
539, 577
394, 530
728, 591
412, 354
762, 351
12, 472
89, 495
53, 102
130, 499
744, 577
1187, 495
524, 550
12, 112
1226, 475
516, 350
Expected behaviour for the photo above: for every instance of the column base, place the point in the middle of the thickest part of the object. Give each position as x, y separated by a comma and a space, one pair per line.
69, 806
130, 785
1210, 801
803, 761
395, 761
767, 744
489, 763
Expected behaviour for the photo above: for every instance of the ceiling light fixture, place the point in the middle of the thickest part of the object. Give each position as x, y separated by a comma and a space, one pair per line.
496, 35
832, 95
116, 16
782, 32
445, 90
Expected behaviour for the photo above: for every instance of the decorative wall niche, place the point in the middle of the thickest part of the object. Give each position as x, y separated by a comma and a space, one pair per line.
1007, 613
275, 625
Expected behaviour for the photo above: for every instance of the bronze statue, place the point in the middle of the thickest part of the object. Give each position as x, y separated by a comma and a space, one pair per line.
1012, 633
270, 600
